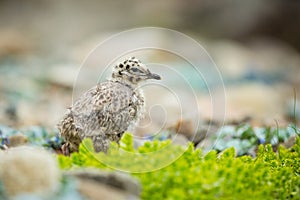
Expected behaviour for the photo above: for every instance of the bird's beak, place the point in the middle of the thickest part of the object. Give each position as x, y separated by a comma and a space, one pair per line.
154, 76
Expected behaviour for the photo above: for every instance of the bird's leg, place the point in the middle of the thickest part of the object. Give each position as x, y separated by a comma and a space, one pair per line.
100, 143
119, 136
65, 148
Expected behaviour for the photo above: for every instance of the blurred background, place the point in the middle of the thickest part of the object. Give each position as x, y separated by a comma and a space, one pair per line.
255, 45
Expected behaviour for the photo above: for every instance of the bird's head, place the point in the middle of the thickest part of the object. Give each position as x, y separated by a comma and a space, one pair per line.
133, 71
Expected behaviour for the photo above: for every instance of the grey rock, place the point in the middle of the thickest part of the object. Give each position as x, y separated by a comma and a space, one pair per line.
28, 170
96, 184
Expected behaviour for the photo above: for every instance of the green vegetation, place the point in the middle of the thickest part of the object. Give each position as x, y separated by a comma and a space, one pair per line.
178, 173
167, 171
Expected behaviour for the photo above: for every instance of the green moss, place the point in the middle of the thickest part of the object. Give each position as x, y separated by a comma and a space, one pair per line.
178, 173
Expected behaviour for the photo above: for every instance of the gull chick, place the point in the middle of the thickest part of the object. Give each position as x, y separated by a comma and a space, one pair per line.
107, 110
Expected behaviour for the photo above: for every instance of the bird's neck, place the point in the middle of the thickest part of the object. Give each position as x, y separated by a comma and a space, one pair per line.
124, 82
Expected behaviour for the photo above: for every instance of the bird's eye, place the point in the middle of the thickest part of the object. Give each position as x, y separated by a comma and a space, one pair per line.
134, 69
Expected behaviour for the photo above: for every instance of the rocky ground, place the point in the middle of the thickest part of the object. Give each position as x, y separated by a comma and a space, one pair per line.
45, 63
260, 82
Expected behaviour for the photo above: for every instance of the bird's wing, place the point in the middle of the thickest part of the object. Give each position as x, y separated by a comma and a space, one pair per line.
104, 101
110, 97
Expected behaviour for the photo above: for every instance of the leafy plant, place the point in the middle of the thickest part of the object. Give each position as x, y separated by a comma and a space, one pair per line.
193, 175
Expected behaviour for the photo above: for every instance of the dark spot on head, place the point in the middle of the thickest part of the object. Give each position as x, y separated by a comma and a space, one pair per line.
127, 66
121, 65
120, 73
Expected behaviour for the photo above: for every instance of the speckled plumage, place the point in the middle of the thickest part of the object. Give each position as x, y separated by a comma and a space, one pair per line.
105, 111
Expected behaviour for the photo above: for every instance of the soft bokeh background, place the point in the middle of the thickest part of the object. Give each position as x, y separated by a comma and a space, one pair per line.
255, 44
